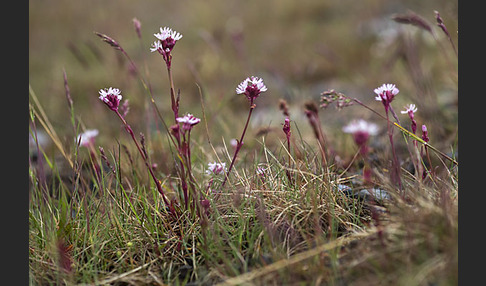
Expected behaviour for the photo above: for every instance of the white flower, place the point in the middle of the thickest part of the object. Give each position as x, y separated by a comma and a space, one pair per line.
86, 138
188, 121
409, 108
386, 92
111, 97
254, 81
361, 126
166, 33
104, 94
361, 130
251, 87
216, 168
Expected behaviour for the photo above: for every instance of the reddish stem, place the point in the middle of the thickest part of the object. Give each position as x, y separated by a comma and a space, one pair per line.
240, 143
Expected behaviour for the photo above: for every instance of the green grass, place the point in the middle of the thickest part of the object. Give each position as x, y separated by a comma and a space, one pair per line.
291, 226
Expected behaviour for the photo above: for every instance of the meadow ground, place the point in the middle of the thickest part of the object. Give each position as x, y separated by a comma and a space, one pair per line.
310, 198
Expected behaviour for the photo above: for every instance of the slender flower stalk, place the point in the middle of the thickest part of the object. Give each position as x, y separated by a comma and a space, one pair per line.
286, 130
112, 97
386, 93
251, 87
425, 137
410, 110
165, 44
188, 122
415, 154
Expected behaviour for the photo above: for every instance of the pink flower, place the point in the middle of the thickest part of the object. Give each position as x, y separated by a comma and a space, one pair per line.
87, 138
385, 94
361, 130
251, 87
286, 128
111, 97
188, 121
425, 133
216, 168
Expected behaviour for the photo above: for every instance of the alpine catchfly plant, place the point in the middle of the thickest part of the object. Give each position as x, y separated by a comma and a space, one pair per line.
386, 93
112, 97
361, 131
415, 155
251, 87
410, 110
188, 121
165, 44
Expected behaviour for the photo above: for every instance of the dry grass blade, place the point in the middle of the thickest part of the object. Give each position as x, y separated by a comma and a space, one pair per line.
245, 278
123, 275
42, 117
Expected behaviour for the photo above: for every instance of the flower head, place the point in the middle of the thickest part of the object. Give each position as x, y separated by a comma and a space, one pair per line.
111, 97
386, 93
188, 121
216, 168
167, 40
251, 87
286, 128
410, 109
361, 130
87, 138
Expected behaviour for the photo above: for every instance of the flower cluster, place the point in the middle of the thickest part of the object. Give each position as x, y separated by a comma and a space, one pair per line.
168, 38
188, 121
385, 94
111, 97
251, 87
166, 42
361, 130
410, 110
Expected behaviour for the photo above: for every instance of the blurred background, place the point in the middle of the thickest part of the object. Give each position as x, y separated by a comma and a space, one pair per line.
300, 49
